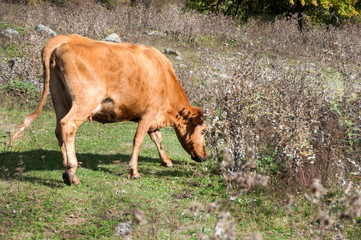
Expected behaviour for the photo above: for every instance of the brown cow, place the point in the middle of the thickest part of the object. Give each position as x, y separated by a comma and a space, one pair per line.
115, 82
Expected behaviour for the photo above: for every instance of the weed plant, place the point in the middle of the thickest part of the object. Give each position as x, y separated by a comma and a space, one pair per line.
289, 115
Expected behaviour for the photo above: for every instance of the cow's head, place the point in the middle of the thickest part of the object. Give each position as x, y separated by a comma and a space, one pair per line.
191, 131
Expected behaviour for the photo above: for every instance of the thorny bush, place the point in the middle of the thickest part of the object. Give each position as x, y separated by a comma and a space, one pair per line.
289, 114
329, 216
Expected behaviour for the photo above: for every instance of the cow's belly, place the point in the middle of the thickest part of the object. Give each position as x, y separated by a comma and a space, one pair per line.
103, 114
108, 112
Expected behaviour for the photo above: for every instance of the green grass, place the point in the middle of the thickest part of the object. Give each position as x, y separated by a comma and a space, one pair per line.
35, 204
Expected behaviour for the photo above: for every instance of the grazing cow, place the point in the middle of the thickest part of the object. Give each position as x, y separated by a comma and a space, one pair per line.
115, 82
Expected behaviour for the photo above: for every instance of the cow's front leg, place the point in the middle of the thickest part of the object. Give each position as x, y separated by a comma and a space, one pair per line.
142, 129
156, 136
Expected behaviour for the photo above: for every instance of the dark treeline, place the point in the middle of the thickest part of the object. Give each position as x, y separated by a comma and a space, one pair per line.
325, 12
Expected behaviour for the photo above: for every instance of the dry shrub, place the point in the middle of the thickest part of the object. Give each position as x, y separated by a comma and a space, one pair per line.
181, 26
94, 20
240, 176
322, 44
289, 115
329, 216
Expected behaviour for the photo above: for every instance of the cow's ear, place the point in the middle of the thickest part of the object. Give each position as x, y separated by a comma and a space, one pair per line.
197, 116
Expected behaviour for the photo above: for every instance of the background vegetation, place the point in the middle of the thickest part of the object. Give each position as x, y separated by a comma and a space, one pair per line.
282, 105
325, 11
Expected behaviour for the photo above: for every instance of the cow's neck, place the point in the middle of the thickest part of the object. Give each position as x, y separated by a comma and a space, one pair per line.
180, 108
180, 117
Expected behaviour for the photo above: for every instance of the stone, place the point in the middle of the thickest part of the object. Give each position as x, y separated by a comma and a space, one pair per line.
112, 38
172, 52
124, 229
154, 33
44, 30
4, 72
10, 33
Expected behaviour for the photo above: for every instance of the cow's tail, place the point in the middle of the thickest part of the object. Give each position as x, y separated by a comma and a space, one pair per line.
18, 132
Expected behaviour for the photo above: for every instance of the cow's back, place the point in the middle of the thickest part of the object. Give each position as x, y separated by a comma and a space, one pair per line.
132, 79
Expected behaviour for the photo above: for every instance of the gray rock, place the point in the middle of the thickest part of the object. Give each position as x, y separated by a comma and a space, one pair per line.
124, 229
3, 67
149, 33
172, 52
5, 72
10, 33
154, 33
44, 30
112, 38
221, 75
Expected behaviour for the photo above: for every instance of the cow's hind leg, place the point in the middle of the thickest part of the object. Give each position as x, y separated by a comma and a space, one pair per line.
156, 136
62, 105
69, 125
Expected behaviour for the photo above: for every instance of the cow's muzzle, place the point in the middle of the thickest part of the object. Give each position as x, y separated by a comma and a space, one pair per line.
198, 159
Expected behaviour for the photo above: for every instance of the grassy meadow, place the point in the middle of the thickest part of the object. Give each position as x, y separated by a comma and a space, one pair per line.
36, 204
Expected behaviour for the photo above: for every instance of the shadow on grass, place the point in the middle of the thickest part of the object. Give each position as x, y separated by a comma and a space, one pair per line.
12, 163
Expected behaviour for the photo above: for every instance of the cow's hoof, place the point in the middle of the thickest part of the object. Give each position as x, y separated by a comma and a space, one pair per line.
132, 174
167, 164
70, 178
76, 180
136, 176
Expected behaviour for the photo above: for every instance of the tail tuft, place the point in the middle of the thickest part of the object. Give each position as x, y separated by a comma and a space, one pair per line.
18, 132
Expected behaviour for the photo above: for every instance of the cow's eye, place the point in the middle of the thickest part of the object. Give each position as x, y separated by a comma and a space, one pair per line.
203, 131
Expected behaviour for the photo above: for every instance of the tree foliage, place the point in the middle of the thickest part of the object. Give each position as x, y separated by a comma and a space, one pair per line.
321, 11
